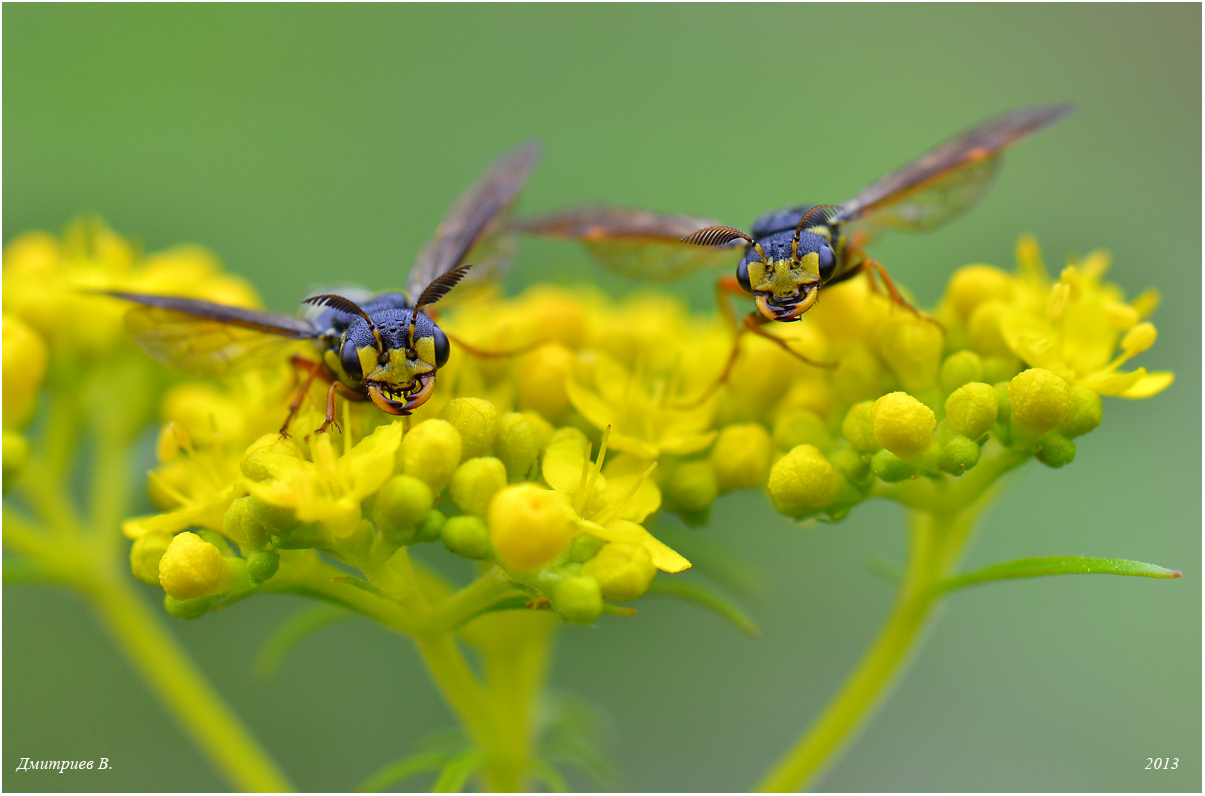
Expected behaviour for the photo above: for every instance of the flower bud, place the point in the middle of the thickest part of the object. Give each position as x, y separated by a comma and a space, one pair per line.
477, 421
466, 536
242, 524
475, 482
16, 454
403, 502
692, 486
1085, 412
902, 424
961, 367
803, 479
741, 456
25, 357
801, 427
265, 458
1040, 400
1004, 404
849, 463
585, 546
623, 571
578, 599
262, 565
971, 409
912, 349
972, 285
1055, 450
518, 444
858, 427
431, 527
529, 526
146, 553
431, 452
890, 468
997, 369
192, 567
541, 375
187, 609
959, 455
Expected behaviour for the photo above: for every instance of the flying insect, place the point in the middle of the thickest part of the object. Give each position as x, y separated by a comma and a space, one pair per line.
788, 255
384, 348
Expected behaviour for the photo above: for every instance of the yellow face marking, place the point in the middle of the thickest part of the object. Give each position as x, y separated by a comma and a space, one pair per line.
783, 278
398, 370
425, 348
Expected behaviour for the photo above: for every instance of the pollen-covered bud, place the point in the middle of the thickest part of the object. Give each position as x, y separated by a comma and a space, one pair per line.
466, 536
890, 468
529, 526
431, 452
741, 456
803, 479
263, 458
971, 409
477, 421
578, 599
1055, 450
692, 486
903, 425
961, 367
192, 568
1040, 401
403, 502
25, 357
475, 482
1085, 412
541, 375
801, 427
912, 349
959, 455
241, 524
972, 285
146, 553
623, 571
262, 565
518, 443
858, 427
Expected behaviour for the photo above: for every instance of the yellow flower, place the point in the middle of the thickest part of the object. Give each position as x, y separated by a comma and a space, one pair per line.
25, 358
192, 567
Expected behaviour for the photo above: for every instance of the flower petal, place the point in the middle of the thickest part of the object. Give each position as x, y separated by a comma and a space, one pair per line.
626, 532
1150, 384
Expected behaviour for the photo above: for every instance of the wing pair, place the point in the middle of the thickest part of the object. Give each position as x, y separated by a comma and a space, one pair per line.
206, 339
924, 194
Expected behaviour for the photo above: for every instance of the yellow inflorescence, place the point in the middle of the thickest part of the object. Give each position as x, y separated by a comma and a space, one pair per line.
551, 462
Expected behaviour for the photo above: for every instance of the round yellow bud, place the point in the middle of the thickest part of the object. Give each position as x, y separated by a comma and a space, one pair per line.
984, 332
477, 421
741, 456
192, 567
1039, 399
265, 457
25, 356
971, 409
541, 377
623, 571
518, 443
911, 347
972, 285
146, 553
803, 479
529, 526
431, 452
903, 425
858, 427
961, 367
692, 486
475, 482
1085, 413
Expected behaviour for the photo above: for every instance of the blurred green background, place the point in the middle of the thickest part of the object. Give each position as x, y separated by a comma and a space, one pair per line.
316, 143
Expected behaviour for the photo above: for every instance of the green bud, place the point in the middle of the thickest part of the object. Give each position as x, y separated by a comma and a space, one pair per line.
741, 456
467, 536
240, 524
578, 599
849, 463
692, 486
477, 421
1085, 412
585, 546
858, 427
402, 504
1003, 403
518, 444
1055, 450
959, 455
959, 368
476, 482
997, 369
431, 452
262, 564
891, 468
431, 528
801, 427
187, 609
971, 410
145, 555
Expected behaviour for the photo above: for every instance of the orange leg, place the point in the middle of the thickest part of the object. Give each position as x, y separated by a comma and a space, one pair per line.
315, 369
346, 392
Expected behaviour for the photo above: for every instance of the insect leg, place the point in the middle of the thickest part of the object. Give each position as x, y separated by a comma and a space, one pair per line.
725, 288
314, 368
875, 267
346, 392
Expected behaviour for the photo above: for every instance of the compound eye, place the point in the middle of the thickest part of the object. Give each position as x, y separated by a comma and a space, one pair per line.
442, 348
828, 261
349, 358
742, 276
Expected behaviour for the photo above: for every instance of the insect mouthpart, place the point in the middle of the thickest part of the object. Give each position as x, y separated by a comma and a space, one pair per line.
790, 308
406, 401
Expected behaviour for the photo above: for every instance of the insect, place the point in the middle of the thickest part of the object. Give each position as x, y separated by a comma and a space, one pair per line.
384, 348
788, 255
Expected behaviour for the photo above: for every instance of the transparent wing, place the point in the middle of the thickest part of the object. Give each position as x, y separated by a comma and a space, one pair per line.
206, 339
476, 221
637, 243
949, 180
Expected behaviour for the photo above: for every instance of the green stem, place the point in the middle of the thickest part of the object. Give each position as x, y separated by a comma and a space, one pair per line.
936, 542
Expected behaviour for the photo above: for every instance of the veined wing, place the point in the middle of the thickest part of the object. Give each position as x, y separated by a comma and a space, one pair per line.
476, 219
636, 243
950, 179
206, 339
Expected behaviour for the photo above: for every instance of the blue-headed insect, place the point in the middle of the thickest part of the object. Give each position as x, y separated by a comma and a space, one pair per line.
384, 348
789, 255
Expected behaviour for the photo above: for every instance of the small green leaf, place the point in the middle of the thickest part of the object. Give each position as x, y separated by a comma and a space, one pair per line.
293, 630
707, 598
456, 773
1055, 565
402, 769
